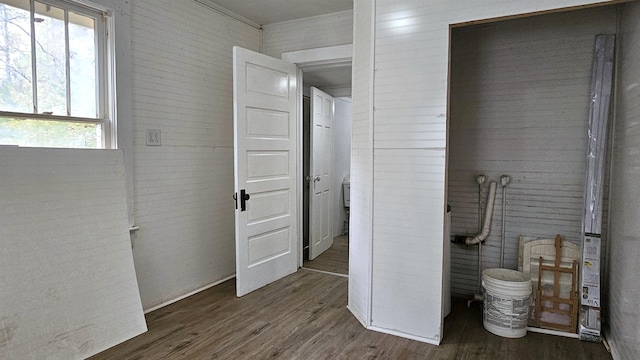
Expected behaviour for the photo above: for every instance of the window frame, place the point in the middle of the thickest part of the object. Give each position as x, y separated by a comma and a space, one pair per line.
106, 111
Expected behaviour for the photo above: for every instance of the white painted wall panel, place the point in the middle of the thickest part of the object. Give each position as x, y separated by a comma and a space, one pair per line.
519, 106
401, 276
624, 249
309, 33
341, 158
410, 92
182, 85
361, 213
67, 281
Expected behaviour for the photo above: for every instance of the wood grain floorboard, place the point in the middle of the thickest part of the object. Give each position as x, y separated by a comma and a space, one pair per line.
334, 260
304, 316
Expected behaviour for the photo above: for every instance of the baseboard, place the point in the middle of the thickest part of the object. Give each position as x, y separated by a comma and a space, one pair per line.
611, 346
404, 335
163, 304
553, 332
357, 316
325, 272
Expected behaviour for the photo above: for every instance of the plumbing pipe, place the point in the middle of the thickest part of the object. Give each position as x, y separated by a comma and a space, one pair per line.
504, 180
487, 218
480, 179
479, 273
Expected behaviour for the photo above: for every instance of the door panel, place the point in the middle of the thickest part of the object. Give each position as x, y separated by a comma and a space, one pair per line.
265, 157
321, 171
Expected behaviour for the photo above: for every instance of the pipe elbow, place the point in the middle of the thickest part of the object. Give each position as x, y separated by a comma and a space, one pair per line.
487, 219
478, 238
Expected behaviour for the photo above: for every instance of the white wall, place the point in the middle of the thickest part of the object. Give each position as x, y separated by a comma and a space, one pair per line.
341, 159
624, 250
182, 85
309, 33
411, 51
360, 231
519, 106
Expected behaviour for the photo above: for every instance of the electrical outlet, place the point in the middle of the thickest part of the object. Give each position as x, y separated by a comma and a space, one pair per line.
153, 137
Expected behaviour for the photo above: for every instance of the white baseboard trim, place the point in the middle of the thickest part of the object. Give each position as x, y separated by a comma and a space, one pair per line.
611, 346
325, 272
553, 332
357, 316
163, 304
404, 335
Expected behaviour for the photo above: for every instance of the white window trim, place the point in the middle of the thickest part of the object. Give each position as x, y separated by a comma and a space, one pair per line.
105, 71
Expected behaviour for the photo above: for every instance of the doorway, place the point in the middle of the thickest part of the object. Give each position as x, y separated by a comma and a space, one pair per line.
329, 70
336, 258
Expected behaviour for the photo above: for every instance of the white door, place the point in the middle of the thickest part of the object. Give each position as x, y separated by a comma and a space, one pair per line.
265, 157
321, 173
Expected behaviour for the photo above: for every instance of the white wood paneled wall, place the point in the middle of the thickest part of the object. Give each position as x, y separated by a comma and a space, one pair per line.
182, 85
361, 213
309, 33
519, 106
409, 127
624, 249
409, 169
67, 282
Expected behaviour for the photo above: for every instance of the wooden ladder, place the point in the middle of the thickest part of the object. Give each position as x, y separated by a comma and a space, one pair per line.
555, 299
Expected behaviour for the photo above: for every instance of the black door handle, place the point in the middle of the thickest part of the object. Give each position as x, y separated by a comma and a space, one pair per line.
244, 197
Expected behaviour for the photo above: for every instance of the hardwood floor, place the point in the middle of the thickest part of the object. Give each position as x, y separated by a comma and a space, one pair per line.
334, 260
304, 316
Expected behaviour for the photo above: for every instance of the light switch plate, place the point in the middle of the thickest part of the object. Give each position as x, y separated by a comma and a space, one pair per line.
154, 137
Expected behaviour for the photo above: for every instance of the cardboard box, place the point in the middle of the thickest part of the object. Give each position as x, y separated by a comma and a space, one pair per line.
589, 326
590, 276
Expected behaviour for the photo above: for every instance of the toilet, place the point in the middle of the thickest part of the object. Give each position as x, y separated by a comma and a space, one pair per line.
346, 190
346, 194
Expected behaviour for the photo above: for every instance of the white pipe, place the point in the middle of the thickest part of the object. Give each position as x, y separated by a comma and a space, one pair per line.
480, 179
487, 218
504, 180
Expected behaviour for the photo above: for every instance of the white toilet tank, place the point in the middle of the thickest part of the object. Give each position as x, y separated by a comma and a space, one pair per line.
346, 190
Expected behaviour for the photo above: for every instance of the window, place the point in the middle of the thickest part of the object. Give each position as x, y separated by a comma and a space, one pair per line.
54, 76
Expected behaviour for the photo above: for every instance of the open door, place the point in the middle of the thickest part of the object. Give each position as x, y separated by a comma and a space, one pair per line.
321, 173
265, 157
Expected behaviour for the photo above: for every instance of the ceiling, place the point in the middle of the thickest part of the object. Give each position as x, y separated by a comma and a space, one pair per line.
335, 81
266, 12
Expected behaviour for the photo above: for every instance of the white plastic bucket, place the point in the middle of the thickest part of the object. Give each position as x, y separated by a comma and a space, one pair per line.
507, 302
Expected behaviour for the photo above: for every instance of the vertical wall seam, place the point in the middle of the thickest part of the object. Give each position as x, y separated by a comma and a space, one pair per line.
372, 80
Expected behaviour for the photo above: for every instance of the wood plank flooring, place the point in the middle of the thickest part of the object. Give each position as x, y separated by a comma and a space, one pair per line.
304, 316
334, 260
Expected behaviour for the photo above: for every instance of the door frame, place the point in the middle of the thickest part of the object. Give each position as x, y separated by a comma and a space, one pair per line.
318, 58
